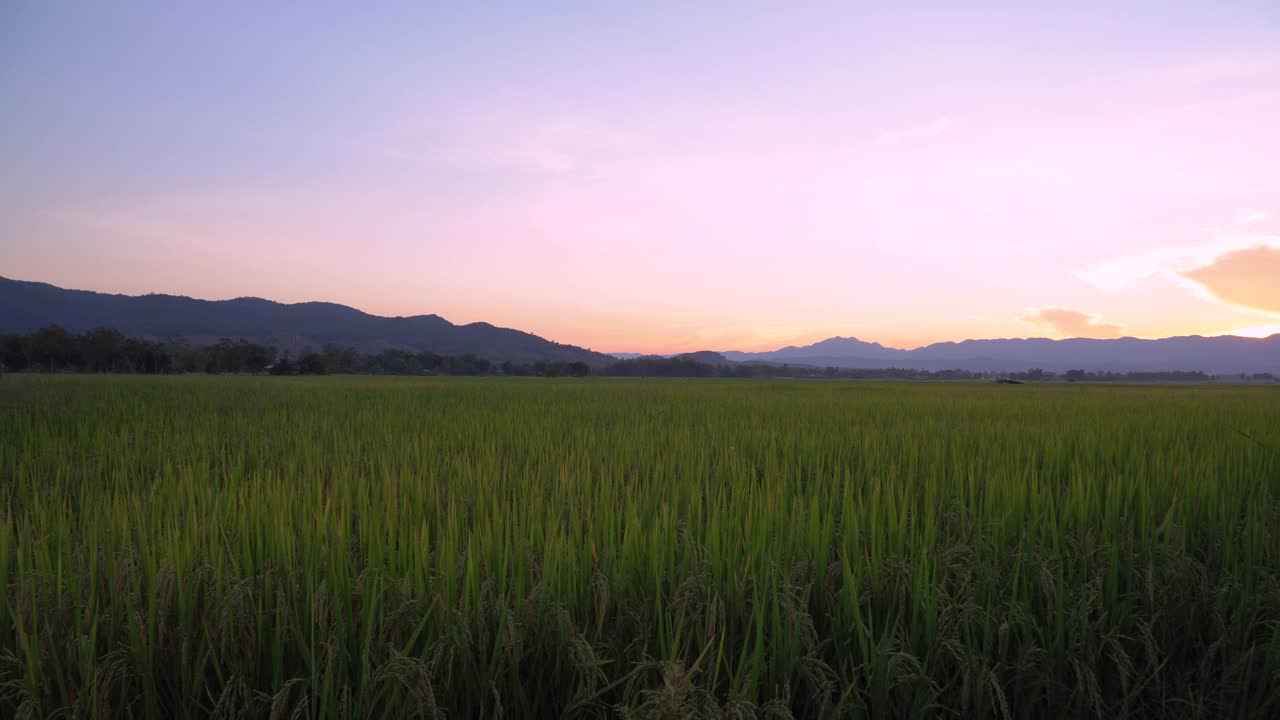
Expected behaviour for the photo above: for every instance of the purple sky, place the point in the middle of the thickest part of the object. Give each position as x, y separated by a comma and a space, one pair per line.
662, 178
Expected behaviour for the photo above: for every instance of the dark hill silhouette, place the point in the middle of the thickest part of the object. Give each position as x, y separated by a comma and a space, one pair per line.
27, 306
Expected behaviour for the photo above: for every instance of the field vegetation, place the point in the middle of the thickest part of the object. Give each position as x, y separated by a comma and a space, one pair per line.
339, 547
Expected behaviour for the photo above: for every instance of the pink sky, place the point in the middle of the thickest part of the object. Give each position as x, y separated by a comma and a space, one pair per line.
678, 181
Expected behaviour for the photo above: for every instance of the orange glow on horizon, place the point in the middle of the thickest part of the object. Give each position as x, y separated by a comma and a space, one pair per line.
1259, 331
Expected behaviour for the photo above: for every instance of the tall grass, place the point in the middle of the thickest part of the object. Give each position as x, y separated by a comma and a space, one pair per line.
338, 547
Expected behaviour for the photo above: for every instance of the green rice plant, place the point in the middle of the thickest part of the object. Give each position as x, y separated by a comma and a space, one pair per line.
340, 547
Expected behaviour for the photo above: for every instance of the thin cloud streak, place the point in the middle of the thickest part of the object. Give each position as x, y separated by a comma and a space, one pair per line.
1247, 216
934, 129
1124, 272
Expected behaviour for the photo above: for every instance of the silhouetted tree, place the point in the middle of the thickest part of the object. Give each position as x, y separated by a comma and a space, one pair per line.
284, 366
311, 364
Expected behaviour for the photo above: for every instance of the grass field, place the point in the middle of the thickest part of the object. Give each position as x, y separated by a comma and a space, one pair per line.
370, 547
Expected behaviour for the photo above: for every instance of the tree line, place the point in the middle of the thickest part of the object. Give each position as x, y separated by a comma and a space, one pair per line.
656, 366
106, 350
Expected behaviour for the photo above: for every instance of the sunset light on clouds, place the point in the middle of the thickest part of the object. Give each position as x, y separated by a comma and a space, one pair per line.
662, 178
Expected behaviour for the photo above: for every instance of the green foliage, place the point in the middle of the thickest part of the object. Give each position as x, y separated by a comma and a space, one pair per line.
332, 547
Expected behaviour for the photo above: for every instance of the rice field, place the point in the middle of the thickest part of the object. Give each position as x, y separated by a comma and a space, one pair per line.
342, 547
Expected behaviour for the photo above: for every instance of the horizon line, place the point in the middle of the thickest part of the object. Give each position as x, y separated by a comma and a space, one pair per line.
616, 353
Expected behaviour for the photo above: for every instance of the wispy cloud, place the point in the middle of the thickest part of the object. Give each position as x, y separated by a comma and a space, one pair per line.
1126, 271
919, 132
1247, 216
1246, 229
1066, 322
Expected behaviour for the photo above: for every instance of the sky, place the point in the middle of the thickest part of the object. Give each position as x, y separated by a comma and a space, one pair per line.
659, 177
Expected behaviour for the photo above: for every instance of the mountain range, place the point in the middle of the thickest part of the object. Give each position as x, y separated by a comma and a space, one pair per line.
1214, 355
27, 306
